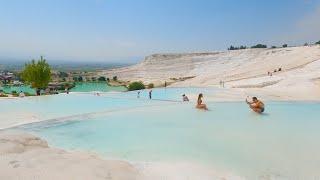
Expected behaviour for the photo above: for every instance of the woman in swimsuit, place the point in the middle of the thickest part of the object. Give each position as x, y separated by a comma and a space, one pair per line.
200, 105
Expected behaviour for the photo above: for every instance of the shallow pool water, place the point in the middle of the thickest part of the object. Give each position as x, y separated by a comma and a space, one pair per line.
18, 89
170, 94
96, 86
64, 106
281, 144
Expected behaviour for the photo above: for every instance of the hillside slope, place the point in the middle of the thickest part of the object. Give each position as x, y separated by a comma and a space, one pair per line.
240, 69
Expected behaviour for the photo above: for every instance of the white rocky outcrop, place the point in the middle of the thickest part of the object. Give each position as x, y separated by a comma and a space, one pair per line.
245, 70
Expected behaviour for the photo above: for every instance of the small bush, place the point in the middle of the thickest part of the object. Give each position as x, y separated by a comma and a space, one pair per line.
318, 42
101, 78
259, 46
14, 93
151, 85
78, 79
237, 48
232, 48
136, 86
28, 94
306, 44
3, 95
285, 45
69, 86
115, 78
273, 47
66, 85
62, 74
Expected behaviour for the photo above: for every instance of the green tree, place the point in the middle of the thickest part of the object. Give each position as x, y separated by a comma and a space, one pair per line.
259, 46
101, 78
37, 73
75, 79
285, 45
243, 47
62, 74
136, 86
231, 48
151, 85
318, 42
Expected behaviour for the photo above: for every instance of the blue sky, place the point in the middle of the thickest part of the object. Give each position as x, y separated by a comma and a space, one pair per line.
127, 30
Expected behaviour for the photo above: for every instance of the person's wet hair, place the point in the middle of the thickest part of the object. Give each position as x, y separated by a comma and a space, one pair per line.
255, 98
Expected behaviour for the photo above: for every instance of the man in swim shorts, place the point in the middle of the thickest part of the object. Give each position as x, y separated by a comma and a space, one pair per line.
256, 105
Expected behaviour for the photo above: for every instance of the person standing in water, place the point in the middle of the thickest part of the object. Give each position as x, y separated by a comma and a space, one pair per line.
256, 105
150, 94
138, 94
185, 98
66, 90
200, 105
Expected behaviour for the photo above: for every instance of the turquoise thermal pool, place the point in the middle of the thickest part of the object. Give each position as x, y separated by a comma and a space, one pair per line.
282, 143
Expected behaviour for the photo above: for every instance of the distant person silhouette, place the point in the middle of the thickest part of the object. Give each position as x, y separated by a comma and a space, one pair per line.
150, 94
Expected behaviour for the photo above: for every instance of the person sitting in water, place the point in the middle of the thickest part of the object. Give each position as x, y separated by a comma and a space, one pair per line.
21, 94
256, 105
185, 98
200, 105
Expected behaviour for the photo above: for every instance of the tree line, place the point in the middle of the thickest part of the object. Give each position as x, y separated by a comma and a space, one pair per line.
262, 46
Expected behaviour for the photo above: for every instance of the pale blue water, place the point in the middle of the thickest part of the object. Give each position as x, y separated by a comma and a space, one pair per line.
170, 93
80, 87
283, 143
63, 105
95, 86
18, 89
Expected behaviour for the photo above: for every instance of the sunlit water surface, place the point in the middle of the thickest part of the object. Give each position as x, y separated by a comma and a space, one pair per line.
282, 143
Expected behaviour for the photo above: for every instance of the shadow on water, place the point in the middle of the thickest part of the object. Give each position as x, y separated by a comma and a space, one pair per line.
264, 114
